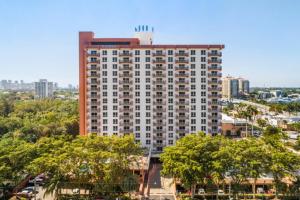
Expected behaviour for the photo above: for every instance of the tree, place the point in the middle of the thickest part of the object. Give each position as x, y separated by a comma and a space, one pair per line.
252, 110
262, 122
190, 160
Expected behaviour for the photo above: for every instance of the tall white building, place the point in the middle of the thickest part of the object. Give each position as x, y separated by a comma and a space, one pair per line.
43, 89
157, 92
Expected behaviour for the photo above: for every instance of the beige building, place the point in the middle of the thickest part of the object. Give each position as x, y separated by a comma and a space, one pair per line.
234, 87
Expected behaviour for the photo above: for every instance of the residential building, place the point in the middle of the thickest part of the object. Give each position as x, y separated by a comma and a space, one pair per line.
159, 93
43, 89
235, 87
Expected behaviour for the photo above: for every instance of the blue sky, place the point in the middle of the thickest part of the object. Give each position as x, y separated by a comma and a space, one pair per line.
39, 38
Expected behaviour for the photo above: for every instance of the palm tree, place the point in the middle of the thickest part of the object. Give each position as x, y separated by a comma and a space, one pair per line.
253, 112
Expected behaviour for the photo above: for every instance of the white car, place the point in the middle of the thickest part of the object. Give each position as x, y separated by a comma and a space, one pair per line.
221, 192
201, 191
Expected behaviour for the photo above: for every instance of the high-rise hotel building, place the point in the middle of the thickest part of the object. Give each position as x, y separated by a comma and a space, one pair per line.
159, 93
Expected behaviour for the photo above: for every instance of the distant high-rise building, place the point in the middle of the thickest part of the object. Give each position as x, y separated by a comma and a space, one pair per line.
157, 92
43, 89
234, 87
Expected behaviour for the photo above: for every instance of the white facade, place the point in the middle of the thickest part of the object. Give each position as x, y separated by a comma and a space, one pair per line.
157, 92
43, 89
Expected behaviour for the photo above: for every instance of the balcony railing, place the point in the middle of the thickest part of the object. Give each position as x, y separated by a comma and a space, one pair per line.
215, 82
186, 116
214, 54
182, 82
182, 131
159, 96
161, 137
159, 124
126, 123
125, 82
217, 61
125, 75
93, 68
125, 61
126, 116
184, 75
182, 110
182, 124
121, 68
159, 103
183, 61
125, 103
214, 67
159, 75
182, 96
214, 74
158, 89
126, 130
182, 54
93, 54
159, 110
159, 116
159, 68
183, 89
161, 61
126, 110
129, 96
159, 130
125, 54
214, 89
159, 82
158, 54
181, 68
182, 103
215, 95
125, 89
93, 61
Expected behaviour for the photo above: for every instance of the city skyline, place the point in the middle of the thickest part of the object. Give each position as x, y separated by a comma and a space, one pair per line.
261, 46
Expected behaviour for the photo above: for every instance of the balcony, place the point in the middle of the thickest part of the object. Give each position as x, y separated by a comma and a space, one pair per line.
214, 117
182, 102
214, 109
125, 110
214, 61
182, 82
95, 89
94, 96
182, 89
159, 82
126, 130
124, 54
159, 89
158, 54
182, 61
159, 110
126, 103
159, 68
125, 75
93, 54
125, 89
218, 68
218, 54
126, 123
214, 75
162, 103
93, 75
159, 96
182, 96
159, 130
182, 75
182, 124
93, 82
127, 96
126, 117
186, 116
159, 116
92, 103
126, 82
215, 82
124, 68
213, 103
181, 68
158, 144
185, 110
182, 131
182, 54
160, 61
93, 68
156, 137
214, 89
96, 61
215, 95
125, 61
159, 75
159, 124
94, 109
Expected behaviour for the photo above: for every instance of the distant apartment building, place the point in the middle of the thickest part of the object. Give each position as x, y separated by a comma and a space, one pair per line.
234, 87
43, 89
159, 93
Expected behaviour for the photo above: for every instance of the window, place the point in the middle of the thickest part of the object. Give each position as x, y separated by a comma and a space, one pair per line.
170, 52
148, 142
147, 52
104, 52
193, 59
203, 59
137, 59
115, 59
137, 52
193, 52
170, 59
203, 52
147, 59
115, 52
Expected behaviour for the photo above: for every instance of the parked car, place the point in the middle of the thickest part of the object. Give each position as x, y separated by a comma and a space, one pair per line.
260, 190
201, 191
221, 192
